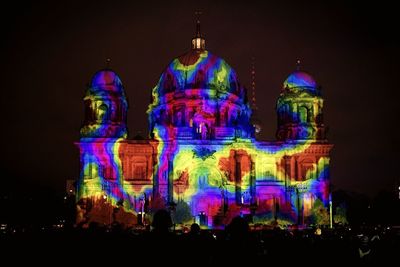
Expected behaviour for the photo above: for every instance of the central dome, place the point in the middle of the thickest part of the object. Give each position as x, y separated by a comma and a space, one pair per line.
198, 69
198, 96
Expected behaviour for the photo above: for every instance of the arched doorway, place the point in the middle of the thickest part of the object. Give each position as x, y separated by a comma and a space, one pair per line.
209, 193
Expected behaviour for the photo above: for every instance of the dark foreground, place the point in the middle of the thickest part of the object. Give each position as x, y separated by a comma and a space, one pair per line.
235, 245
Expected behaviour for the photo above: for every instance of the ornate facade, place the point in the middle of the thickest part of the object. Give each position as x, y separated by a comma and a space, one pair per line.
202, 148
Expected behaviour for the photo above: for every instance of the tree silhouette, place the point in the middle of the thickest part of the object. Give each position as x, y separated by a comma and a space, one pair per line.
320, 214
182, 213
341, 215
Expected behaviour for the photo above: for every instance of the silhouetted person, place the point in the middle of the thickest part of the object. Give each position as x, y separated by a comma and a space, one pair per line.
240, 244
199, 244
365, 252
161, 222
193, 241
238, 229
194, 229
160, 241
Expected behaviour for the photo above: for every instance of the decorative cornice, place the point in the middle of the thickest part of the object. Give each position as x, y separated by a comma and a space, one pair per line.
203, 153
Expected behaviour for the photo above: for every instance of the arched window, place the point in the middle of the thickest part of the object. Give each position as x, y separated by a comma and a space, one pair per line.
303, 114
307, 170
226, 117
268, 171
308, 203
203, 181
201, 129
180, 117
281, 115
88, 170
284, 113
102, 113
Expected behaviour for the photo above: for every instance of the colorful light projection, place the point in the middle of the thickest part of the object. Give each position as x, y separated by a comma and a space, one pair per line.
209, 182
102, 174
204, 147
203, 83
105, 107
102, 145
300, 80
211, 170
299, 109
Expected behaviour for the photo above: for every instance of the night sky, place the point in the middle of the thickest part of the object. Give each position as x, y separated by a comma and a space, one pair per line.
50, 51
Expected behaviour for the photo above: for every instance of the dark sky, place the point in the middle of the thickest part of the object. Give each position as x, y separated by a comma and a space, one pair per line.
50, 51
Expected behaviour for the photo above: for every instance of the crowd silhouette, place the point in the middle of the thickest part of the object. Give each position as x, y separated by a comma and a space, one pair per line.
234, 245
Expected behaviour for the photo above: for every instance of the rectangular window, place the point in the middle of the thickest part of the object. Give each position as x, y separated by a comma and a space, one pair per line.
139, 171
88, 170
307, 171
268, 172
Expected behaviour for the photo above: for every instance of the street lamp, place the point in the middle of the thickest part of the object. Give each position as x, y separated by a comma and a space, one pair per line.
172, 207
330, 211
110, 209
298, 205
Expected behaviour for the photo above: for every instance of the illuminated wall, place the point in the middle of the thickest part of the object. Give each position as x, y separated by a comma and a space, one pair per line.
202, 148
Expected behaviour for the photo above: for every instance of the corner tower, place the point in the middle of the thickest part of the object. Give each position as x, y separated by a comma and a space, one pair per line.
299, 109
105, 107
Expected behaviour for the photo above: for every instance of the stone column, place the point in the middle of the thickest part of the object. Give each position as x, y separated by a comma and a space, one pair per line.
238, 178
170, 180
83, 172
121, 172
326, 169
155, 177
253, 178
296, 175
287, 167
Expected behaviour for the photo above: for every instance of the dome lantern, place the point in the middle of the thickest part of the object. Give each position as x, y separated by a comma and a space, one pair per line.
198, 42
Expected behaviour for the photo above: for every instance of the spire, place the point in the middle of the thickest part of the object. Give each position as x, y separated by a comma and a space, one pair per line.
253, 84
198, 42
108, 60
298, 64
198, 32
254, 114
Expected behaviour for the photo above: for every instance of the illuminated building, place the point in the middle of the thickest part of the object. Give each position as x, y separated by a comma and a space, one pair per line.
202, 148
